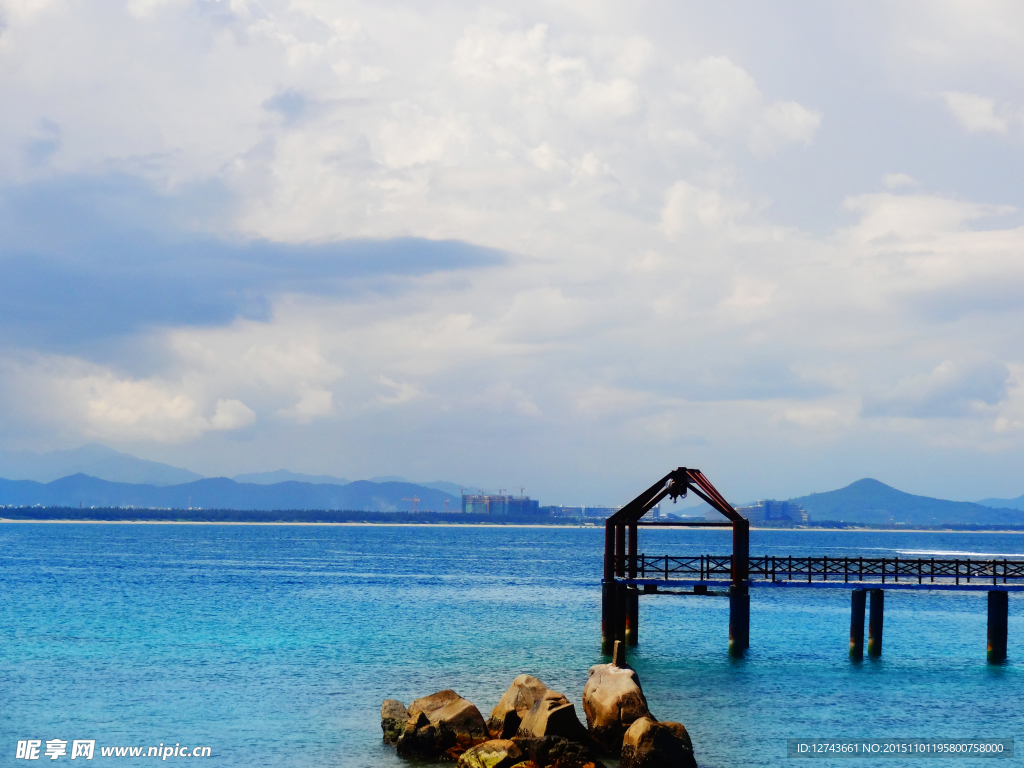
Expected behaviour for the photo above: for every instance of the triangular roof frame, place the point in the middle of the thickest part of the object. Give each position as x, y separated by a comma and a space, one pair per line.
675, 484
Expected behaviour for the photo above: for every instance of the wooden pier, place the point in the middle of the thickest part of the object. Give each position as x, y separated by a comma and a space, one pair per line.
628, 574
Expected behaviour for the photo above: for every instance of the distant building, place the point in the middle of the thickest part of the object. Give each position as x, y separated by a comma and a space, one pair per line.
488, 504
558, 511
598, 513
768, 511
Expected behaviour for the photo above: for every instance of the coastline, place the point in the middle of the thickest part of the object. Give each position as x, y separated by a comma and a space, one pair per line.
470, 525
285, 522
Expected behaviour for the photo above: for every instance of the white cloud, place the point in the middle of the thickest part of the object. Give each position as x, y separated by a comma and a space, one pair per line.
688, 207
949, 390
887, 215
975, 113
232, 414
1010, 418
314, 404
399, 393
729, 104
613, 99
486, 54
122, 409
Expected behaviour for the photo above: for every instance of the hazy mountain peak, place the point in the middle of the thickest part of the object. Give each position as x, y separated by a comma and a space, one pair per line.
91, 459
870, 501
284, 476
1017, 503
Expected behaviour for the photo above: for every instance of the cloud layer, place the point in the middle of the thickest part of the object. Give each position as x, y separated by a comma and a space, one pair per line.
558, 245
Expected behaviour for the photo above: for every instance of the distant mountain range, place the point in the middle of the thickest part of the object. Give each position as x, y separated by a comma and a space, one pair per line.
284, 476
1017, 503
99, 461
870, 501
224, 493
437, 485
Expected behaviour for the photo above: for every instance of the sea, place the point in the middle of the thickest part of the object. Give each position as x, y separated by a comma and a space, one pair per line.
274, 645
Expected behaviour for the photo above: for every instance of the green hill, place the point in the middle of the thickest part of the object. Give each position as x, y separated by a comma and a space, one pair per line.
869, 501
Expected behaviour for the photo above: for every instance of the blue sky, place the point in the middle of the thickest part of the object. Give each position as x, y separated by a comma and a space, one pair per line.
558, 245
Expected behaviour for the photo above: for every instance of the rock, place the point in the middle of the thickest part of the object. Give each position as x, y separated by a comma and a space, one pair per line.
441, 725
419, 738
553, 715
434, 702
393, 717
613, 701
649, 744
497, 753
513, 705
556, 752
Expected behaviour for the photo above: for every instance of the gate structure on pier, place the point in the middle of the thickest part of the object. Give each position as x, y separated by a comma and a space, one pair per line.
628, 574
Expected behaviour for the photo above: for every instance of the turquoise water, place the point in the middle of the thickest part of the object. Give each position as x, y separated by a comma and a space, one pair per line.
274, 645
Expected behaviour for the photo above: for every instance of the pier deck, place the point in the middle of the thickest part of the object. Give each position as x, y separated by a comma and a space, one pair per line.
628, 574
818, 571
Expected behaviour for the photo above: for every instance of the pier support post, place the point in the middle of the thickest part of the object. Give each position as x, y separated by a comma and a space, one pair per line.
739, 619
876, 614
607, 616
998, 615
632, 595
632, 616
858, 599
608, 590
740, 550
620, 612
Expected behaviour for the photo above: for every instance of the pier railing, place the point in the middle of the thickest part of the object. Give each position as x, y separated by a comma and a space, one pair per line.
847, 569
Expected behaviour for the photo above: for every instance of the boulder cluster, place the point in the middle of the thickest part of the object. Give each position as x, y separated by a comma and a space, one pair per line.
533, 726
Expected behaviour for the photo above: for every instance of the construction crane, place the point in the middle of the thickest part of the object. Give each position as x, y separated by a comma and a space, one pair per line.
415, 502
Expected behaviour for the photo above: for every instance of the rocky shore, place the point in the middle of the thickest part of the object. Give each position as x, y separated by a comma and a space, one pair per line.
533, 726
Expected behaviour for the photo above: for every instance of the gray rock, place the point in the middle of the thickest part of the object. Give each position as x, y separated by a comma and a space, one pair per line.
648, 744
553, 715
556, 752
513, 705
442, 725
612, 701
393, 717
497, 753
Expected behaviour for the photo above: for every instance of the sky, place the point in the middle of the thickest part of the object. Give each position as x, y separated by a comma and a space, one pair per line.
560, 246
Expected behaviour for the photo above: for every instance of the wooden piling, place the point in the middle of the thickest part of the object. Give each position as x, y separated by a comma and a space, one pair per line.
858, 599
631, 568
607, 616
620, 612
739, 619
608, 591
998, 617
620, 550
619, 655
875, 616
740, 550
632, 594
632, 616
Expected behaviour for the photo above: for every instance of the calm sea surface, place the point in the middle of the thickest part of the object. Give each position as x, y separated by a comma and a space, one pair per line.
275, 645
